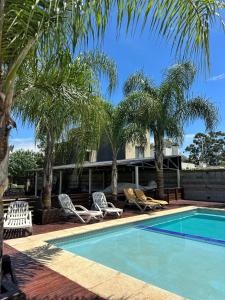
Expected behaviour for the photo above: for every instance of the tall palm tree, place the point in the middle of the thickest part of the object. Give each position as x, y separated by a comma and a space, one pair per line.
25, 24
165, 108
117, 132
62, 93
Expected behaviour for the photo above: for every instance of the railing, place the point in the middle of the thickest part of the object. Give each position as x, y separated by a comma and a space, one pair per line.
85, 199
33, 202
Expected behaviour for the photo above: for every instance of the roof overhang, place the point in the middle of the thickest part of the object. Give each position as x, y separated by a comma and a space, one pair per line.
122, 162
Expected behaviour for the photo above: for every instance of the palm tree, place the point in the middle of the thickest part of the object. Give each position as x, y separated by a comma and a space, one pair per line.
61, 94
117, 132
164, 109
26, 24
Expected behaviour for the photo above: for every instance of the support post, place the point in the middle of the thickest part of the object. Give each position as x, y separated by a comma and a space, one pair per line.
178, 178
103, 180
137, 177
36, 184
60, 182
90, 180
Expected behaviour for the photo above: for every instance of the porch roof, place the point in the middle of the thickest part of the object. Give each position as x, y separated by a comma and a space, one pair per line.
148, 162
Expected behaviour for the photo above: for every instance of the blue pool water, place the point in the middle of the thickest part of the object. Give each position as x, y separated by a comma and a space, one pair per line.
191, 268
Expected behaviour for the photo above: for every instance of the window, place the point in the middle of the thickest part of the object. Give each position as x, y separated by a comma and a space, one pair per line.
139, 152
88, 156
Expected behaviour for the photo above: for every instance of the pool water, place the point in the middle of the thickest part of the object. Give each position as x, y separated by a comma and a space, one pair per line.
190, 268
204, 226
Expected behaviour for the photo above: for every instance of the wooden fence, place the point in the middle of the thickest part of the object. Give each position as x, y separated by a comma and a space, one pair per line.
85, 199
33, 202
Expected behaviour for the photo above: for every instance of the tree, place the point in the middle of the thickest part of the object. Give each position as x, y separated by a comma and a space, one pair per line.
27, 24
207, 148
23, 24
164, 109
22, 160
60, 94
118, 132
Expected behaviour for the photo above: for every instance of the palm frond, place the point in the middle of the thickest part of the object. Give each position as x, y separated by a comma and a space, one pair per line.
187, 23
182, 75
202, 109
101, 64
140, 107
138, 82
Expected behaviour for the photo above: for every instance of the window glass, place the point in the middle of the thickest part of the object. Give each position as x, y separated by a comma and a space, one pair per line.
139, 152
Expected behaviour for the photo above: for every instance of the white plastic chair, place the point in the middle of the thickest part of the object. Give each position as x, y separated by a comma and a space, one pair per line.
79, 211
18, 216
101, 204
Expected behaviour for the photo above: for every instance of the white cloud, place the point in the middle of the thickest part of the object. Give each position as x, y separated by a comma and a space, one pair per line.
217, 77
23, 143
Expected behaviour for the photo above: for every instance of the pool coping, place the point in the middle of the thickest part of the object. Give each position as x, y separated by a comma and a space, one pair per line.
97, 278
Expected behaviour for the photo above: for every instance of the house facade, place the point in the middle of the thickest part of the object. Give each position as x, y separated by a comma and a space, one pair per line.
136, 166
129, 151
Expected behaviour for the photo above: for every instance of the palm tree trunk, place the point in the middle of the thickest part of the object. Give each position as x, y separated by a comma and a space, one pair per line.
48, 173
114, 176
4, 132
158, 139
6, 123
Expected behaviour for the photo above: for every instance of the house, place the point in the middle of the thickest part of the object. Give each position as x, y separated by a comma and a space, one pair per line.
136, 165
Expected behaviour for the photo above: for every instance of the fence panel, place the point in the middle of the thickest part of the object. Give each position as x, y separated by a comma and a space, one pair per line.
206, 185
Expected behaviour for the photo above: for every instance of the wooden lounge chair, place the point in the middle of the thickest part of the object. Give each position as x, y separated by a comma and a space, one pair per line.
101, 203
140, 203
79, 211
18, 216
141, 195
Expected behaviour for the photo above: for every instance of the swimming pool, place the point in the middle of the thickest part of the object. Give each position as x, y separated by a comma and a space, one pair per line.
183, 253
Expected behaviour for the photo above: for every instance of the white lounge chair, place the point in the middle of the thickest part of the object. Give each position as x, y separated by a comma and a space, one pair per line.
18, 216
101, 203
79, 211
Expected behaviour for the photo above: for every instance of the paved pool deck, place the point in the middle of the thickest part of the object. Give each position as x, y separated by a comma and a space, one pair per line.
45, 272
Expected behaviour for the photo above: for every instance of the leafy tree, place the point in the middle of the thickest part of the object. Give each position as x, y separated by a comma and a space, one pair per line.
60, 94
22, 160
207, 148
164, 109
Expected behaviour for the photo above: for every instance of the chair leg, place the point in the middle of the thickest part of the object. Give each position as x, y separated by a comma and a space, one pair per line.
141, 209
81, 219
88, 219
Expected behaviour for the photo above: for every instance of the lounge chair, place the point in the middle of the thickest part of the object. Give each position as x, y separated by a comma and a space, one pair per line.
100, 202
141, 195
18, 216
79, 211
140, 203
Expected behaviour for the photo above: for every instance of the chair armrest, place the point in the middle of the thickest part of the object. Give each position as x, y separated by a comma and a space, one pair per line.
30, 215
98, 207
67, 208
81, 207
111, 204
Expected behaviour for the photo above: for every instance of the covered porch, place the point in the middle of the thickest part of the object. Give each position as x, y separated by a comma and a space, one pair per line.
96, 176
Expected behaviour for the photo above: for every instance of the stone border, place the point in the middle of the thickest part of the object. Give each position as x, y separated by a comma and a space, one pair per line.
99, 279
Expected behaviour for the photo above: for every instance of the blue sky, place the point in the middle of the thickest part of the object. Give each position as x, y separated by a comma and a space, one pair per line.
152, 54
